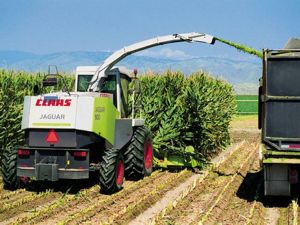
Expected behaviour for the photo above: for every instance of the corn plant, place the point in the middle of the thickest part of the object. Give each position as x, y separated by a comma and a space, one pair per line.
186, 111
161, 107
209, 104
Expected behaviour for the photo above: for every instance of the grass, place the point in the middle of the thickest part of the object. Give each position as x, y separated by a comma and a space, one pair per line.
247, 97
247, 104
247, 107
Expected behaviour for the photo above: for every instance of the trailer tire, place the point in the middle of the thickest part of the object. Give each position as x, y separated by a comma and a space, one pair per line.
9, 170
139, 155
111, 171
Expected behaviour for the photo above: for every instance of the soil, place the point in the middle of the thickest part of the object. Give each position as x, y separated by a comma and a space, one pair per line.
229, 192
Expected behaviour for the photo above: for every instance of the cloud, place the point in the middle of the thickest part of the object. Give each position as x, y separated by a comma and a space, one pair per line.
166, 53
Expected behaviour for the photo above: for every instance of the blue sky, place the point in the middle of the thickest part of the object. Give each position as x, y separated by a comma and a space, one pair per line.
45, 26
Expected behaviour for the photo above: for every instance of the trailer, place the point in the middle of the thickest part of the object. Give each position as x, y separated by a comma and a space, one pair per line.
279, 119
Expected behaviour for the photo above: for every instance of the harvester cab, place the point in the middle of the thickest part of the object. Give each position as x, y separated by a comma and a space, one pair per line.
69, 135
115, 85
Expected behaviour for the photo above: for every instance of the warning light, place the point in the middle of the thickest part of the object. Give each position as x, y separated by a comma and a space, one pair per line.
52, 137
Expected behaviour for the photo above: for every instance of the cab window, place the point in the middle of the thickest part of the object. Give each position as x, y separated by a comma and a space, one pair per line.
124, 94
83, 82
109, 85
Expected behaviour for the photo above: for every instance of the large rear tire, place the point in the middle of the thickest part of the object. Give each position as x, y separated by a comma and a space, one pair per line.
112, 171
9, 170
139, 155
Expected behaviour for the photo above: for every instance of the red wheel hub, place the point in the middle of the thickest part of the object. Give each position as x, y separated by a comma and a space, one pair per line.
120, 173
148, 155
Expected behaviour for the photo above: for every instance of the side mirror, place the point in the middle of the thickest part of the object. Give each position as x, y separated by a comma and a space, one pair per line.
50, 81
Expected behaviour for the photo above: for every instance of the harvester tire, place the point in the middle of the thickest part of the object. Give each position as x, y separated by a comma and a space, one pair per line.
139, 155
9, 170
111, 171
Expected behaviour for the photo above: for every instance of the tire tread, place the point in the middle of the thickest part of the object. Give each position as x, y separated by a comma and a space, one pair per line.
134, 154
9, 170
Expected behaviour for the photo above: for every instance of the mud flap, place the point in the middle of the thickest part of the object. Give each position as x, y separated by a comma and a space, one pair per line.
276, 177
45, 171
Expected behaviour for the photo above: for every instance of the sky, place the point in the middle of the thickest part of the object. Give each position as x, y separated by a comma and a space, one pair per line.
47, 26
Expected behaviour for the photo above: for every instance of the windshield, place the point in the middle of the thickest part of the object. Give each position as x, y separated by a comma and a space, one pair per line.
83, 82
107, 84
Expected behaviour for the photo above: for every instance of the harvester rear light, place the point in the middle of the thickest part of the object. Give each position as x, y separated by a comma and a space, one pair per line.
294, 146
23, 152
80, 154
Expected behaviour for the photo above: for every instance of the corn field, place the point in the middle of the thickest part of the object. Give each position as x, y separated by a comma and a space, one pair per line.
180, 111
187, 111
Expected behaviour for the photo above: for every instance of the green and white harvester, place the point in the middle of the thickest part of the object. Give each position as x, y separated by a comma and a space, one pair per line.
69, 135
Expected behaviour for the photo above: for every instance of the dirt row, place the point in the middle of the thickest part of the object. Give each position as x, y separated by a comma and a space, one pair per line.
215, 198
229, 193
263, 210
66, 203
87, 205
69, 204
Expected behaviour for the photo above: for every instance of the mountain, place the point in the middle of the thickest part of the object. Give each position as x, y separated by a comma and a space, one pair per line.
243, 75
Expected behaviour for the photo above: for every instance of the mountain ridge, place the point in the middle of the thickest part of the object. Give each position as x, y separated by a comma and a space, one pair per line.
237, 72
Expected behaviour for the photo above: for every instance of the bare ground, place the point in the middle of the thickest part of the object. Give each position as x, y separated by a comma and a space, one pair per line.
230, 192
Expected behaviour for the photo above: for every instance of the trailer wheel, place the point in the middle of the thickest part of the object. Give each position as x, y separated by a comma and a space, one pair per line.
111, 171
139, 155
9, 170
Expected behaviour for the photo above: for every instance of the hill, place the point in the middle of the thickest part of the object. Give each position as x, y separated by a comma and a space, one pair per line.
243, 75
